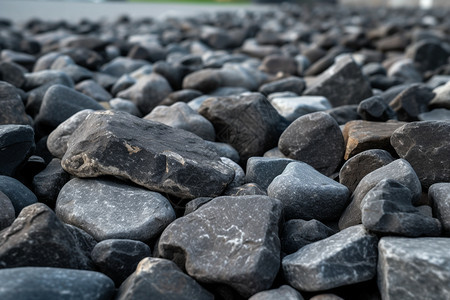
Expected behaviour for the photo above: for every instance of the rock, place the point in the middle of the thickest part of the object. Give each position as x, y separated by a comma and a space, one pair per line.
246, 190
375, 109
66, 64
442, 97
108, 209
92, 89
7, 215
18, 193
290, 84
399, 170
180, 115
195, 204
293, 107
83, 239
125, 81
345, 113
350, 257
358, 166
411, 102
23, 59
439, 195
12, 73
405, 70
16, 144
262, 170
48, 183
118, 259
387, 209
428, 55
231, 247
326, 297
320, 143
54, 284
343, 78
425, 146
401, 258
185, 95
26, 242
13, 110
225, 150
148, 153
125, 106
283, 292
239, 174
274, 64
122, 65
147, 92
298, 233
307, 194
205, 80
58, 138
247, 122
160, 279
439, 114
364, 135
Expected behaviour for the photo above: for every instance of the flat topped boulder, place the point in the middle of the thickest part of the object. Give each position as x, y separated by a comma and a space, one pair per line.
151, 154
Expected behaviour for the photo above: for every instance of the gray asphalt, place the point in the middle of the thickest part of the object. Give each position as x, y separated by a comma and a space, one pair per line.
22, 10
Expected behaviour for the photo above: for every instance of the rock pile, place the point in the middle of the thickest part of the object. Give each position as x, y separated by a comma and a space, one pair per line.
296, 153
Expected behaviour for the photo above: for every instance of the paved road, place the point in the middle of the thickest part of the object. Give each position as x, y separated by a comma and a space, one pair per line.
21, 10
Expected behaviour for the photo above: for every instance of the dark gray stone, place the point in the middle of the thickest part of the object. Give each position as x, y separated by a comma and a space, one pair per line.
262, 170
23, 59
439, 195
148, 153
124, 105
185, 95
428, 55
92, 89
414, 268
7, 214
442, 97
206, 80
308, 194
425, 146
326, 297
124, 82
16, 144
195, 204
122, 65
161, 279
375, 109
225, 150
18, 193
439, 114
405, 70
239, 175
232, 250
26, 242
411, 102
274, 64
315, 139
387, 209
83, 239
293, 107
298, 233
348, 257
290, 84
54, 284
66, 64
284, 292
108, 209
12, 73
118, 259
345, 113
13, 110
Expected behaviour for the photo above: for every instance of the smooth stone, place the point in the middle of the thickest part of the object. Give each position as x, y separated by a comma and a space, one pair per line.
12, 73
262, 170
442, 97
124, 105
274, 64
425, 146
231, 247
307, 194
122, 65
19, 195
274, 153
405, 70
148, 153
428, 55
348, 257
92, 89
225, 150
228, 91
326, 297
20, 58
375, 109
185, 95
411, 102
13, 110
206, 80
400, 260
239, 174
294, 107
125, 81
7, 214
54, 284
439, 114
439, 195
283, 292
108, 209
315, 139
290, 84
161, 279
17, 145
66, 64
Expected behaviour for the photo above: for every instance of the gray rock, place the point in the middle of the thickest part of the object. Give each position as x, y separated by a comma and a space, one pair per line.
387, 209
362, 164
343, 78
161, 279
274, 64
118, 259
122, 65
19, 195
442, 97
439, 114
26, 242
124, 82
17, 145
246, 190
148, 153
108, 209
225, 150
124, 105
345, 113
12, 73
439, 195
54, 284
375, 109
262, 170
205, 80
428, 55
84, 240
239, 175
326, 297
411, 102
185, 95
180, 115
347, 257
425, 146
414, 268
405, 70
66, 64
228, 91
231, 250
290, 84
399, 170
293, 107
7, 215
284, 292
13, 110
308, 194
315, 139
20, 58
274, 153
195, 204
94, 90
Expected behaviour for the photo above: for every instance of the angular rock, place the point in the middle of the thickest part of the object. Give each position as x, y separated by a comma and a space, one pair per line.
7, 214
13, 110
262, 170
307, 194
428, 55
118, 259
19, 195
439, 195
348, 257
293, 107
180, 115
343, 78
375, 109
425, 145
400, 260
399, 170
283, 292
148, 153
387, 209
16, 144
108, 209
315, 139
365, 135
161, 279
92, 89
247, 122
345, 113
54, 284
362, 164
205, 80
234, 250
411, 102
26, 242
290, 84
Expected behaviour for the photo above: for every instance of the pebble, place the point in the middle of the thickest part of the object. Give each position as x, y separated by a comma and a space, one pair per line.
292, 108
17, 145
8, 214
439, 194
19, 195
13, 110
